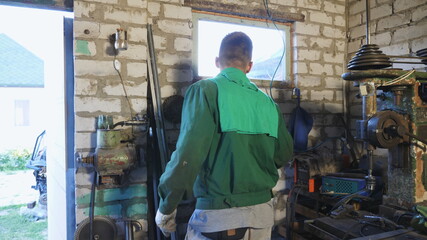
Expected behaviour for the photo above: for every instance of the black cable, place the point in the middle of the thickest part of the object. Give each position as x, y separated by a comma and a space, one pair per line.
283, 40
320, 144
292, 199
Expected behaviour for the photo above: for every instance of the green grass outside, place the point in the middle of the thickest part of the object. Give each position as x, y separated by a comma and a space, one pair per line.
17, 227
14, 159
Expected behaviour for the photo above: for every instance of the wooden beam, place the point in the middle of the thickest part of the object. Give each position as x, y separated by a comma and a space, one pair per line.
243, 11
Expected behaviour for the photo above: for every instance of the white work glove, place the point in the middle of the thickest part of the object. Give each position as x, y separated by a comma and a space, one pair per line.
166, 223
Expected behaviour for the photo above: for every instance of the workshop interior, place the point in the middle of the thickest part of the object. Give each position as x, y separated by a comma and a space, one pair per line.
350, 77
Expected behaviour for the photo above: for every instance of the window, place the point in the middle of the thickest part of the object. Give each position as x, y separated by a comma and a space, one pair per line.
271, 45
22, 112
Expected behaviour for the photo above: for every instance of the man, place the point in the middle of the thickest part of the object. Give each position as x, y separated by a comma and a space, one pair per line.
232, 140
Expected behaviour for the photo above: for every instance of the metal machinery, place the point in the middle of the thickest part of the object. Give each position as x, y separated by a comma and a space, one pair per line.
394, 117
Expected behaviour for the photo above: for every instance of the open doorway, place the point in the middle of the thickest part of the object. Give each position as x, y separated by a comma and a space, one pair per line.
36, 96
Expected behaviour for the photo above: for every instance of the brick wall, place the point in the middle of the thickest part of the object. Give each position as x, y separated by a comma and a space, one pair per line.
318, 51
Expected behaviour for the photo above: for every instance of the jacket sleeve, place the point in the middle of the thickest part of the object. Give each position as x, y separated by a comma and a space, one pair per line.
284, 144
196, 133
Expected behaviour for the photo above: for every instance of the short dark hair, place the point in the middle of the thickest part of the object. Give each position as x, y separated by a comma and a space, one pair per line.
235, 50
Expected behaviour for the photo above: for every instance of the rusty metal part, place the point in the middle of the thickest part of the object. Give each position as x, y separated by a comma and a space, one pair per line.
114, 161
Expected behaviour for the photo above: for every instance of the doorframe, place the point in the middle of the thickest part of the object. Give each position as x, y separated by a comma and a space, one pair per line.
69, 125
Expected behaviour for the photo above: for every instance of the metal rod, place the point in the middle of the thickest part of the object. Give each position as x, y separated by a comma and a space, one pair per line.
367, 23
408, 62
157, 100
395, 56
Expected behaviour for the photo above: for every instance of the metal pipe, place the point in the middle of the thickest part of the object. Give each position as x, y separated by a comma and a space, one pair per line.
367, 22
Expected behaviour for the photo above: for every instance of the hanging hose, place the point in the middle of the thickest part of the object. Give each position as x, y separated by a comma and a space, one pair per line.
92, 204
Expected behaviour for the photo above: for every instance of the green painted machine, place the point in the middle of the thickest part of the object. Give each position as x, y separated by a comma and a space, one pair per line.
394, 116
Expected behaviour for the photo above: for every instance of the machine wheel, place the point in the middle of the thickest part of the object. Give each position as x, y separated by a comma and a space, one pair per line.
103, 228
43, 199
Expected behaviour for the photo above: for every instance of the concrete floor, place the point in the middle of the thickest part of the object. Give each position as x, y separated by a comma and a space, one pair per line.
16, 188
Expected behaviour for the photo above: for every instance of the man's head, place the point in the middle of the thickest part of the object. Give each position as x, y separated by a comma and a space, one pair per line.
235, 51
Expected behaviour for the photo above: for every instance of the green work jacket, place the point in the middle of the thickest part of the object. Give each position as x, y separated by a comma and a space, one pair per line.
221, 169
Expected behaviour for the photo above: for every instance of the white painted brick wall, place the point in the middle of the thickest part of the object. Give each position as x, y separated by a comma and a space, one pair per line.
137, 3
333, 32
85, 140
320, 95
317, 42
175, 27
354, 20
134, 51
106, 1
137, 34
106, 30
339, 21
168, 91
400, 5
300, 67
308, 81
154, 9
358, 31
85, 29
321, 17
318, 68
131, 16
159, 42
85, 86
340, 45
132, 89
333, 57
83, 9
93, 67
338, 70
311, 4
137, 69
95, 104
177, 12
308, 54
171, 59
419, 13
183, 44
392, 21
381, 11
334, 7
382, 39
333, 82
357, 7
419, 44
139, 105
307, 29
85, 124
411, 32
397, 49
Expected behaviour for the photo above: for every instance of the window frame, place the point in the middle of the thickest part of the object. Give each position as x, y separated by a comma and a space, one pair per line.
286, 27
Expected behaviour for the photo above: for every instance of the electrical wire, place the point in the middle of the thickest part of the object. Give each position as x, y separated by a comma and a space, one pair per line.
321, 143
267, 9
398, 79
123, 86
